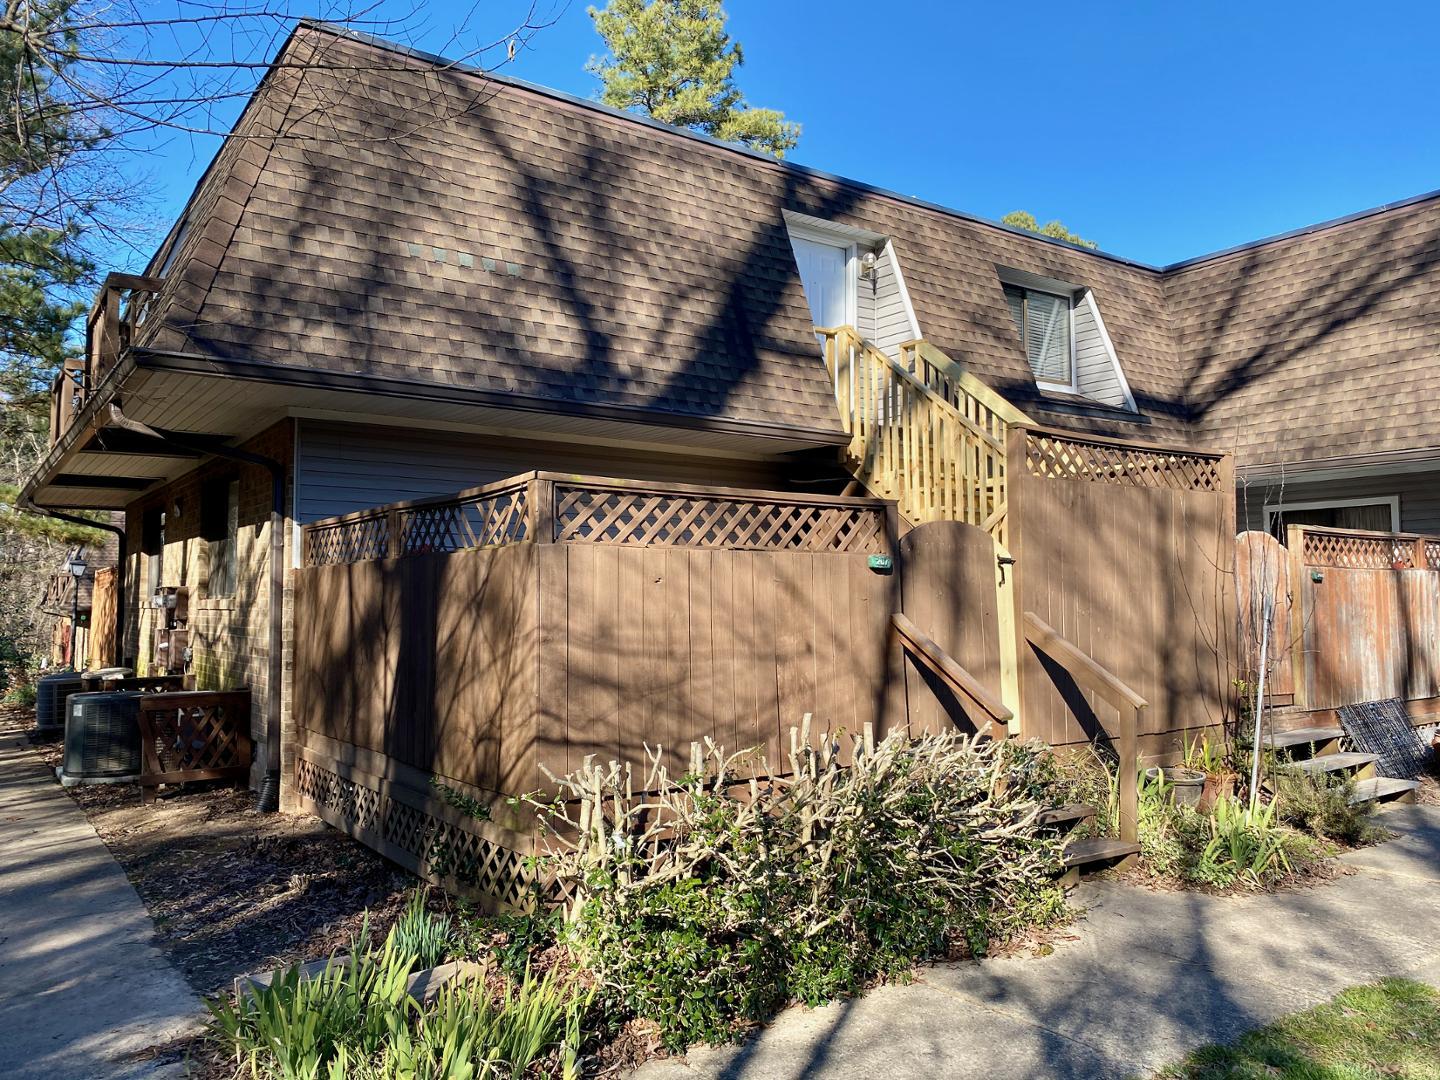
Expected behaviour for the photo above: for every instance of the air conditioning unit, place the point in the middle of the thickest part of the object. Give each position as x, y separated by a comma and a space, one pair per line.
50, 694
102, 738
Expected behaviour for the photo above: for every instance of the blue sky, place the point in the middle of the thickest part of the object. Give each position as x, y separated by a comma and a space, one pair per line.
1162, 131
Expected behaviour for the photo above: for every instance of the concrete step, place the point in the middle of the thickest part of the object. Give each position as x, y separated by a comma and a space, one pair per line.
1307, 736
1335, 763
1080, 853
1070, 815
1383, 789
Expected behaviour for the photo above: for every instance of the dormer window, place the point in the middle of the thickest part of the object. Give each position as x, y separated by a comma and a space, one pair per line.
1046, 324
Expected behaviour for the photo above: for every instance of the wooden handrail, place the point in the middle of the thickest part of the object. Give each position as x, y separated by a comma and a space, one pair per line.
967, 382
937, 450
1092, 676
928, 652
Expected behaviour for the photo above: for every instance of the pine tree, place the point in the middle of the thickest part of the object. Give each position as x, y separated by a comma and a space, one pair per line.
672, 60
1023, 219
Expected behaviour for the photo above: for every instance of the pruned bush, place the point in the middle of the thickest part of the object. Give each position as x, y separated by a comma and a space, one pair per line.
705, 904
1319, 804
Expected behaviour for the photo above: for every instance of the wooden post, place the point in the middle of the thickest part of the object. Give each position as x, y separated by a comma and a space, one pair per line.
1299, 589
1130, 772
540, 495
1418, 559
1010, 599
394, 544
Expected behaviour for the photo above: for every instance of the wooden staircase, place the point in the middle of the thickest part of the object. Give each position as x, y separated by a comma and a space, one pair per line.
923, 431
1318, 751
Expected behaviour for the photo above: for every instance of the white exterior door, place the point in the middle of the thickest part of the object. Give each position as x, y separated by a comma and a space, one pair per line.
825, 274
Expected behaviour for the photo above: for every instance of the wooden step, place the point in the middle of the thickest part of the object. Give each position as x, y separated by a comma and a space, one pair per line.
1072, 814
1097, 850
1308, 736
1380, 788
1334, 762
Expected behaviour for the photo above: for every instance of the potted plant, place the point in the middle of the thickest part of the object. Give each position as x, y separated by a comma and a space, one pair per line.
1213, 763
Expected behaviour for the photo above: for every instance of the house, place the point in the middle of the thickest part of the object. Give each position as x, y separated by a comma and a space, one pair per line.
88, 601
400, 278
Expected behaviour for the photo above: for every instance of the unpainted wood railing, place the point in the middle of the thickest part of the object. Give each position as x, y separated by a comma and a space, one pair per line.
118, 311
922, 431
960, 682
1089, 675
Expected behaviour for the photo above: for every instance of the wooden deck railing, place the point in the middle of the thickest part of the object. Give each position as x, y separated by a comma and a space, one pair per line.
557, 508
118, 311
960, 682
933, 439
1089, 675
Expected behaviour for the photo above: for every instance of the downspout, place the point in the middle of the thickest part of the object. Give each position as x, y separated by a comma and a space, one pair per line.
268, 799
117, 655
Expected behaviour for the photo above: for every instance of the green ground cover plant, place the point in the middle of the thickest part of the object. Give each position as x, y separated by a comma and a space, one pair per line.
1384, 1031
706, 902
355, 1021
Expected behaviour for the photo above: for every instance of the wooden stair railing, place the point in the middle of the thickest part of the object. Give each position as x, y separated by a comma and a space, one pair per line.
937, 450
1090, 675
960, 682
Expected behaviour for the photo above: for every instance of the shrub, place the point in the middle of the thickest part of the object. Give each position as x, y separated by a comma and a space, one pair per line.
1245, 845
705, 908
1320, 805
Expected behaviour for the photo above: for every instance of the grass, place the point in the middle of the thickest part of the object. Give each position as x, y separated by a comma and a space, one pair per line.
1385, 1031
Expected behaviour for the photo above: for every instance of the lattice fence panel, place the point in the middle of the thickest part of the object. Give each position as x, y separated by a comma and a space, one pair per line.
347, 541
1358, 552
194, 736
458, 526
1052, 457
672, 520
1432, 554
435, 848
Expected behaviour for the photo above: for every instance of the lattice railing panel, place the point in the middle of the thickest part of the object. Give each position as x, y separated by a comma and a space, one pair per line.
350, 541
1432, 554
459, 526
431, 847
1358, 552
656, 519
1055, 457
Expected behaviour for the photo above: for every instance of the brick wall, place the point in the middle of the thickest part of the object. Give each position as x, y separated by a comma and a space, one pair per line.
230, 635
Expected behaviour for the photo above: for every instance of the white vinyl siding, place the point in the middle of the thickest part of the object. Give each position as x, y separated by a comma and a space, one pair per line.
890, 324
1097, 373
1044, 324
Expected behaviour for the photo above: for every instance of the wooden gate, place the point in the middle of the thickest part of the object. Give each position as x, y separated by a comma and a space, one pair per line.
1262, 580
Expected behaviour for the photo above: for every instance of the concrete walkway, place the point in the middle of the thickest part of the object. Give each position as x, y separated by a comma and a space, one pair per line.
1150, 977
83, 988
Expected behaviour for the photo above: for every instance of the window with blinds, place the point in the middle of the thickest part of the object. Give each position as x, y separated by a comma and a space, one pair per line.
1044, 322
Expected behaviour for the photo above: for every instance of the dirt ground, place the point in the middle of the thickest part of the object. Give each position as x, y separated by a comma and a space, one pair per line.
231, 890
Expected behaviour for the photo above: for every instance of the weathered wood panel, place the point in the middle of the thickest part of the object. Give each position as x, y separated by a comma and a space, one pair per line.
949, 593
1368, 617
104, 618
1126, 552
1262, 574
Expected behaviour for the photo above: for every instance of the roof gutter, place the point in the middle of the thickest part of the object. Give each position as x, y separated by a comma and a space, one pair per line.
268, 799
118, 649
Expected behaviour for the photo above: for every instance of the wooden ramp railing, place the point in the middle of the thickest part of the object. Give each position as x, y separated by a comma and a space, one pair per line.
960, 682
922, 431
1089, 675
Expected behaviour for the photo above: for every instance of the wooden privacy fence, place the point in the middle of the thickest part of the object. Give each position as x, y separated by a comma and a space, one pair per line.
104, 610
193, 735
1123, 553
482, 640
1359, 612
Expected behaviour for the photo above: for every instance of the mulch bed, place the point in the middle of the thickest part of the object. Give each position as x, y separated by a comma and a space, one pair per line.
232, 890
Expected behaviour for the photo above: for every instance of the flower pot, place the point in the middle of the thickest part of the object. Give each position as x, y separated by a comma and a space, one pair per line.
1217, 786
1186, 785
